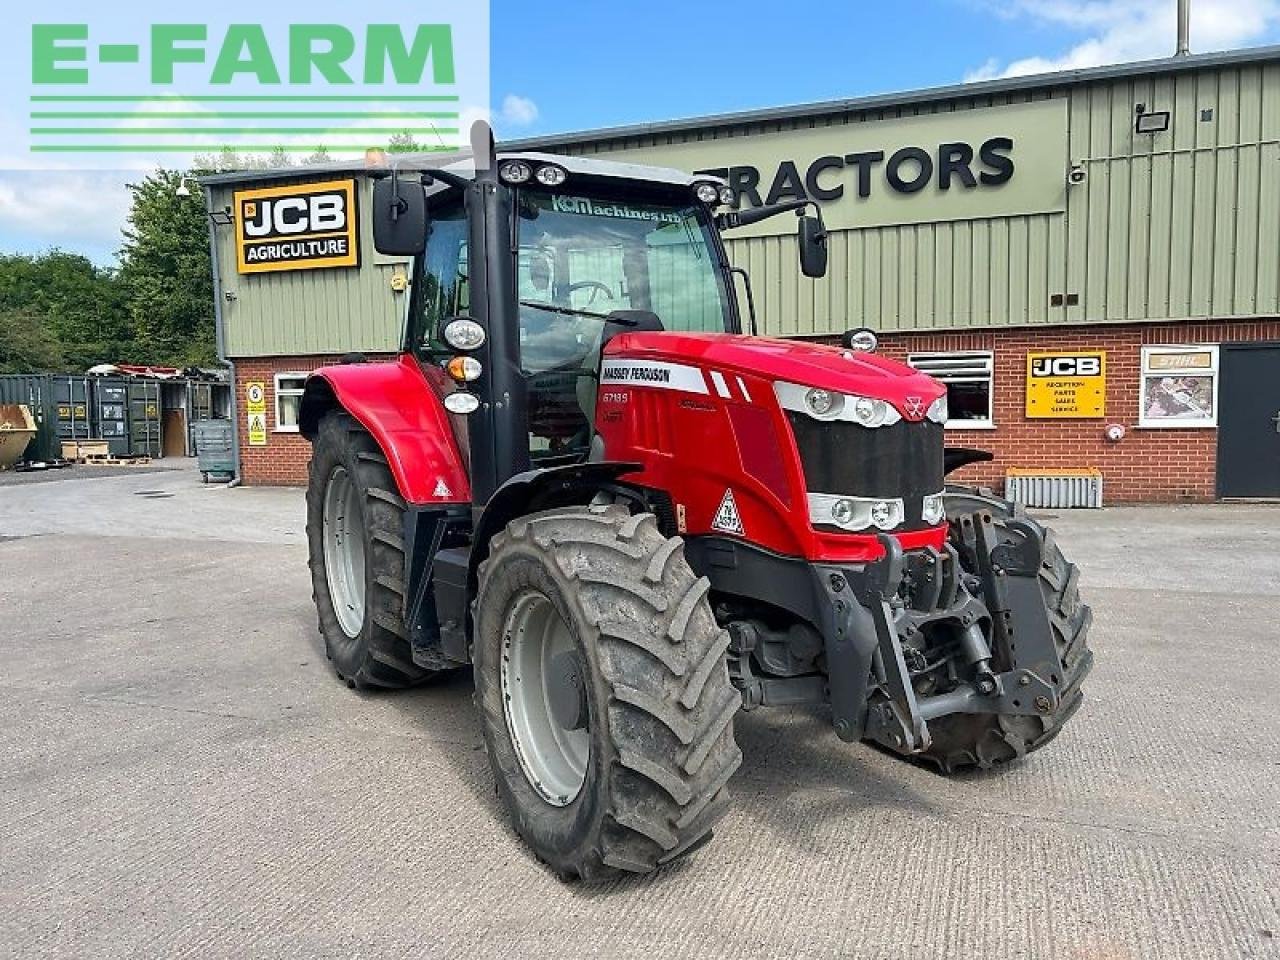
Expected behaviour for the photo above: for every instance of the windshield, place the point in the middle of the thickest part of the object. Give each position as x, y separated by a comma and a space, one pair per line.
580, 258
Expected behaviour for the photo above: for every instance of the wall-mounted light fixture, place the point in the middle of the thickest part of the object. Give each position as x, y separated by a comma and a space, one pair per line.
1150, 121
222, 218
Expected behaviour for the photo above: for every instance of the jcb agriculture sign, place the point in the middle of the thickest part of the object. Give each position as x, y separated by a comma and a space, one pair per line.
1067, 386
301, 227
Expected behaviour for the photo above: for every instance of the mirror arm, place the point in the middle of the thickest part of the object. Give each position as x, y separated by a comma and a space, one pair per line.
745, 218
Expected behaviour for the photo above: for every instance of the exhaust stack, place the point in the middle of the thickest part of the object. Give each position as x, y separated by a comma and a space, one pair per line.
1184, 28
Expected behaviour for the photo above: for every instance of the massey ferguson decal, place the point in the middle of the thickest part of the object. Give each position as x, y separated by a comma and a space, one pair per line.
651, 373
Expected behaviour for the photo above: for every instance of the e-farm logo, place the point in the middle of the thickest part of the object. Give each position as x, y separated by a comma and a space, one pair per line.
173, 88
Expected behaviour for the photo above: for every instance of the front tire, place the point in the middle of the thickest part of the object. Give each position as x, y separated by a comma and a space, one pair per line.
984, 740
355, 524
603, 691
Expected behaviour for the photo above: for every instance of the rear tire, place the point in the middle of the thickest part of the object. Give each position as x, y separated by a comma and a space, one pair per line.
985, 740
657, 747
358, 585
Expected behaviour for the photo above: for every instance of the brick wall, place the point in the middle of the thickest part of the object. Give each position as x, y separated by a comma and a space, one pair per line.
1147, 465
283, 461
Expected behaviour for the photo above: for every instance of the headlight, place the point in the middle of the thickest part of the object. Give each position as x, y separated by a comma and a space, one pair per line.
515, 172
933, 510
855, 513
727, 196
464, 369
873, 413
462, 402
550, 175
823, 403
937, 411
463, 334
708, 193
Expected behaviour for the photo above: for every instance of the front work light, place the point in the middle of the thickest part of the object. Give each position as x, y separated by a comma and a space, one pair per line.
462, 402
862, 339
463, 334
515, 172
464, 369
708, 193
550, 175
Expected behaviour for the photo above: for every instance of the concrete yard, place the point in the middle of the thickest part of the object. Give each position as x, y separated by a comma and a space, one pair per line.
181, 775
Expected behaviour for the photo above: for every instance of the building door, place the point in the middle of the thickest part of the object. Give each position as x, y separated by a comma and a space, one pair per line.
1249, 420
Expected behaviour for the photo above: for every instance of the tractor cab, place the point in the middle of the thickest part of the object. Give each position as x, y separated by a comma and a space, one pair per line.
592, 256
574, 251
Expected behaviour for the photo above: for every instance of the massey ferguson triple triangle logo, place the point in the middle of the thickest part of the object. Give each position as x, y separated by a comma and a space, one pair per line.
727, 517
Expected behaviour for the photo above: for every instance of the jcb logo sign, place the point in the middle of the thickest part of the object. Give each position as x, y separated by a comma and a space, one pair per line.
1067, 386
300, 227
1058, 365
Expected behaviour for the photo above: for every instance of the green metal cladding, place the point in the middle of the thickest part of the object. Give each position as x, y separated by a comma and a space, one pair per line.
1166, 226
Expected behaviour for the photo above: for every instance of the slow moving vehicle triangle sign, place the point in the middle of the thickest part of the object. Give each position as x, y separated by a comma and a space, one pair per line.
727, 517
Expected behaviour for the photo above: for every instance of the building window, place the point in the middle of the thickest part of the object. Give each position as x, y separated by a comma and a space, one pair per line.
289, 388
970, 380
1179, 387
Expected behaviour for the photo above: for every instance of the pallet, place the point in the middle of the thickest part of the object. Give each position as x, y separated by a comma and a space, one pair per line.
77, 450
103, 460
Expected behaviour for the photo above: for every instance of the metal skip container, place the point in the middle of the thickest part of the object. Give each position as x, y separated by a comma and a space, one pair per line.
17, 430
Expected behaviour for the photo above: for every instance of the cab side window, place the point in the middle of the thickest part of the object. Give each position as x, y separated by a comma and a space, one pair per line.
445, 290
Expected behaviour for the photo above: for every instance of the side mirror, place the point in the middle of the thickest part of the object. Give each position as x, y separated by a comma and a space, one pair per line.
813, 247
399, 217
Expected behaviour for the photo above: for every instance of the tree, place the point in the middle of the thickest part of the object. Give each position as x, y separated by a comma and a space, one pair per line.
166, 272
26, 344
403, 143
320, 156
78, 306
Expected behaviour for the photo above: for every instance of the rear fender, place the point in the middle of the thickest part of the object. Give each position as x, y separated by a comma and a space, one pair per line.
397, 405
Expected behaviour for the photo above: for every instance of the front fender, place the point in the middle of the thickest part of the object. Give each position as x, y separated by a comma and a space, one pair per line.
397, 405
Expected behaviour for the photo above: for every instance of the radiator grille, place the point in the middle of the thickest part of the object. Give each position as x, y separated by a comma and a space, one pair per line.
1061, 489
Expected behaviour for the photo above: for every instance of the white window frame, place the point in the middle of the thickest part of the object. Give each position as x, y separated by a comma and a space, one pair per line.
1176, 423
289, 392
957, 357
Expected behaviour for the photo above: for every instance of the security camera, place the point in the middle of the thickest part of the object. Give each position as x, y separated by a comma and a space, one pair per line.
1077, 175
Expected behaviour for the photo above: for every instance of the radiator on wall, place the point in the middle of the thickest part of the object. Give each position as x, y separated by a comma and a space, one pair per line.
1054, 488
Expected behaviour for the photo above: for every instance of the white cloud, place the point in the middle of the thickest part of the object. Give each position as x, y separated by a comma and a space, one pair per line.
78, 210
1121, 31
518, 111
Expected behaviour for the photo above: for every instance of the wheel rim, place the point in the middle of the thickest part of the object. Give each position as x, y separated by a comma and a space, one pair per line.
535, 642
344, 551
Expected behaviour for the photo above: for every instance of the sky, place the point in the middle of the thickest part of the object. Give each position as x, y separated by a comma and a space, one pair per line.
585, 64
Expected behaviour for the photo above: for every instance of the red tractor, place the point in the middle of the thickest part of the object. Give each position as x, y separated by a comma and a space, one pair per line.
633, 520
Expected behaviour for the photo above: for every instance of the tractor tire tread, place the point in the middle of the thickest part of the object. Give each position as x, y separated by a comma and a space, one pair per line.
658, 664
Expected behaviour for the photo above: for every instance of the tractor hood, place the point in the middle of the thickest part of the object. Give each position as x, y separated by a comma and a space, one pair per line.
793, 361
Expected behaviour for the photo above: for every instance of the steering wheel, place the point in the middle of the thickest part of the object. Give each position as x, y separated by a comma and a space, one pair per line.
596, 286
